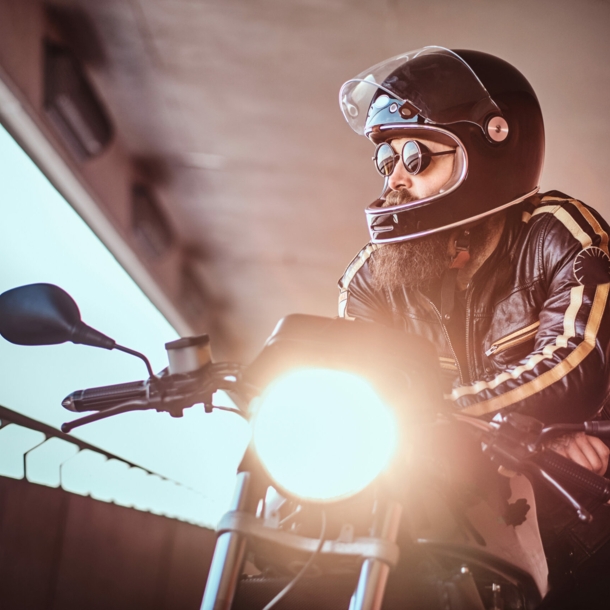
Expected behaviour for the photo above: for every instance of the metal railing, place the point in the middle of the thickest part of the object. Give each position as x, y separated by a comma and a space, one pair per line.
39, 453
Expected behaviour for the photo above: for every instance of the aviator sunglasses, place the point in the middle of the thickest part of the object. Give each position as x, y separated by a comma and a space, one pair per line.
415, 157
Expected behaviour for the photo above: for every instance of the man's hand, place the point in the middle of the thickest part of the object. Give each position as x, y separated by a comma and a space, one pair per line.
587, 451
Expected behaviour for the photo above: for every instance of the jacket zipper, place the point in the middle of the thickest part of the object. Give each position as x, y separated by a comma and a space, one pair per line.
469, 292
440, 319
511, 340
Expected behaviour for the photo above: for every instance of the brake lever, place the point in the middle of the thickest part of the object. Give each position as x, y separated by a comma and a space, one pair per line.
136, 405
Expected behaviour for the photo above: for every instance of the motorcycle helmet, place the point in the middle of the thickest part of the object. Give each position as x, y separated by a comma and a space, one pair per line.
476, 104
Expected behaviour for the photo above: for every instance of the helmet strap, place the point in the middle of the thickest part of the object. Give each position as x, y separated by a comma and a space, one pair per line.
449, 280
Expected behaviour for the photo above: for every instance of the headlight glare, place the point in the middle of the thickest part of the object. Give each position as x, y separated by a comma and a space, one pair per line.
322, 434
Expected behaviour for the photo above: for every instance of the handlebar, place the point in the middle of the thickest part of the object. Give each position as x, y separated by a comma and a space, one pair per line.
600, 429
516, 442
574, 475
105, 397
163, 392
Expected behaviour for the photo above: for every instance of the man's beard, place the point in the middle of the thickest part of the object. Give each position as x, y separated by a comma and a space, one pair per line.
418, 263
411, 264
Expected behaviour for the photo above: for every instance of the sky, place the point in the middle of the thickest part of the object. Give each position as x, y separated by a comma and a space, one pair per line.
42, 239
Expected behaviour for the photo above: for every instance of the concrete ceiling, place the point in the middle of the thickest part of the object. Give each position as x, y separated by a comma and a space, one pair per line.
230, 107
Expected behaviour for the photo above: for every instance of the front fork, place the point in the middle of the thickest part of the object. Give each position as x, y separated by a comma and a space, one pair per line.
374, 572
230, 550
228, 557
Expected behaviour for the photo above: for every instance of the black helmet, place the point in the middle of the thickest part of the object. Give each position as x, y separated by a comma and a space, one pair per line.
476, 103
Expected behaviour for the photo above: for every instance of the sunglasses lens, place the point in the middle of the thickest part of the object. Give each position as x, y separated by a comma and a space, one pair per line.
412, 157
384, 159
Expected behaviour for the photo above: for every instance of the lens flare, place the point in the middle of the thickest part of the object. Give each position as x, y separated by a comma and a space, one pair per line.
323, 434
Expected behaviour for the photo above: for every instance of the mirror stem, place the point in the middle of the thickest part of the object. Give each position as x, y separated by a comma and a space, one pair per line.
138, 355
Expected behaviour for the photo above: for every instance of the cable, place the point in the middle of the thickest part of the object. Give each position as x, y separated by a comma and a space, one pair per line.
298, 577
230, 410
473, 421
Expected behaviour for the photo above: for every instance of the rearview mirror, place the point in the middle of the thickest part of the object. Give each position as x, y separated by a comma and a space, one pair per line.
44, 314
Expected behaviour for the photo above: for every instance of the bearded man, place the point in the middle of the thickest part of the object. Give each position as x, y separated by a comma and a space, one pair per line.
510, 285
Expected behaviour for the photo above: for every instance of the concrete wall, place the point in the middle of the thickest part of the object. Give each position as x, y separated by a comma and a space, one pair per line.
60, 551
100, 188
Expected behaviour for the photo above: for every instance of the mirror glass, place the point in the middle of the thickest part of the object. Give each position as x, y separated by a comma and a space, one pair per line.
38, 314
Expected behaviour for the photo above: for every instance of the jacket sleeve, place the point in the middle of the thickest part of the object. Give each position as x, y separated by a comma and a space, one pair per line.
565, 377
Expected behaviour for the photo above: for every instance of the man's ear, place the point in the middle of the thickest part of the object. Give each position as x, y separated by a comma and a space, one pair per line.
451, 246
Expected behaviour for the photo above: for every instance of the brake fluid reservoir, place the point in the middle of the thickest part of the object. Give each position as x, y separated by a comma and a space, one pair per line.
188, 354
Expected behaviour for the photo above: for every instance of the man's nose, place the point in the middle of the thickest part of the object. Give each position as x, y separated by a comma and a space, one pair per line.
400, 177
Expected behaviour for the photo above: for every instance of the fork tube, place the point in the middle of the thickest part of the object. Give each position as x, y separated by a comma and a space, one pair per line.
374, 573
228, 557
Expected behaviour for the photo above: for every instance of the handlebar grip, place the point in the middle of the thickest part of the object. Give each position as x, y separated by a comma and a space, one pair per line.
569, 472
598, 428
104, 397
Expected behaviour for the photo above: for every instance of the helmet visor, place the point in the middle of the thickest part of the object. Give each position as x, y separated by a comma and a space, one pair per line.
436, 82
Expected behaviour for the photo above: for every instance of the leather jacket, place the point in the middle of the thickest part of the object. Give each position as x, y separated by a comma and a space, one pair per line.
537, 336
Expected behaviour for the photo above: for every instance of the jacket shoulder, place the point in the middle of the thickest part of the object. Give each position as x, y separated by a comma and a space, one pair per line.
356, 264
560, 212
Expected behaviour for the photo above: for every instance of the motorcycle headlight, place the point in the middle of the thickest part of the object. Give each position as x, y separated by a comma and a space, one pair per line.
323, 434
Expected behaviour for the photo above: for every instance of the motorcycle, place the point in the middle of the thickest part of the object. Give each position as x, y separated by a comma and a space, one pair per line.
360, 488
